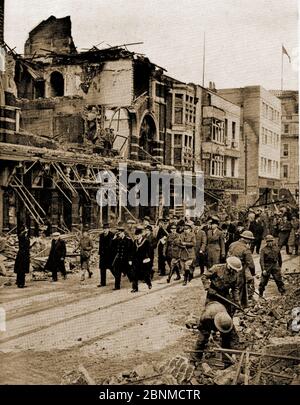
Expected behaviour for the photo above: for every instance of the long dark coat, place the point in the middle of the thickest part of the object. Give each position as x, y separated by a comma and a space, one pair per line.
22, 262
105, 250
57, 252
140, 252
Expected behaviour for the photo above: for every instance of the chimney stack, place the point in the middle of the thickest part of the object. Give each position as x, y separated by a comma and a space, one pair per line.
1, 22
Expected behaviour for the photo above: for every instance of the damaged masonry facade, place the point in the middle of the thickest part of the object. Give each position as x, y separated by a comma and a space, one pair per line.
65, 115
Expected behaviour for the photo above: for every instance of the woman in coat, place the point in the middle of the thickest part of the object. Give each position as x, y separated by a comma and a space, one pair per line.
22, 262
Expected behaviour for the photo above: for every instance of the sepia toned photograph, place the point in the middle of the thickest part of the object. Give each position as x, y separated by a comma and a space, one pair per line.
149, 195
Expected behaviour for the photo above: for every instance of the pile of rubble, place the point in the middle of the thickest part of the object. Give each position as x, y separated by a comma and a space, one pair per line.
40, 251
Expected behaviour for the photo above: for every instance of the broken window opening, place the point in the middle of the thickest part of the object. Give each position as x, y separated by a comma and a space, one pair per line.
57, 84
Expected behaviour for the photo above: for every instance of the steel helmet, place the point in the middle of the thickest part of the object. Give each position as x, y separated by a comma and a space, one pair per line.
234, 263
223, 322
269, 238
247, 235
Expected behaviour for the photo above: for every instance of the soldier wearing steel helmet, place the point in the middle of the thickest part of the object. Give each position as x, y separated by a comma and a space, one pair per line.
215, 318
222, 279
242, 250
270, 263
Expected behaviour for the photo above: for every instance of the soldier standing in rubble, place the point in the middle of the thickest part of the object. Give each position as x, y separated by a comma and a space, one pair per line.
173, 253
122, 248
187, 253
140, 260
242, 250
86, 246
22, 263
270, 263
57, 255
105, 253
215, 243
222, 279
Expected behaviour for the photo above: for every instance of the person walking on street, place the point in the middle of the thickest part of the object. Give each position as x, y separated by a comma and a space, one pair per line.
270, 263
200, 249
173, 253
284, 230
86, 246
122, 248
140, 260
105, 253
187, 253
215, 243
257, 228
57, 255
22, 263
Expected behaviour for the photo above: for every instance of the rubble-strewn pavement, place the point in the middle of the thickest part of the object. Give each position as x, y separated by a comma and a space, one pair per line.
72, 332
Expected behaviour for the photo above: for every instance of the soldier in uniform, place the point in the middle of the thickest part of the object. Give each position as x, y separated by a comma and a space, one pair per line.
140, 260
223, 280
215, 318
173, 253
122, 249
242, 250
270, 263
187, 253
284, 230
86, 246
105, 253
215, 243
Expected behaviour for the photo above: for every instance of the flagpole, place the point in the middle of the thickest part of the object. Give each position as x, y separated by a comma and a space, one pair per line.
281, 69
203, 67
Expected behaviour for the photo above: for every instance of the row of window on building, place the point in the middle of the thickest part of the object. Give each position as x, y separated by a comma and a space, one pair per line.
270, 113
270, 138
221, 133
223, 166
184, 109
269, 167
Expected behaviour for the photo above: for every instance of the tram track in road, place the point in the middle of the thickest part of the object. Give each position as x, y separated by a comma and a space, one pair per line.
85, 313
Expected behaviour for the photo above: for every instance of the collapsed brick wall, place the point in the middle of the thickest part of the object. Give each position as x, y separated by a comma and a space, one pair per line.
53, 34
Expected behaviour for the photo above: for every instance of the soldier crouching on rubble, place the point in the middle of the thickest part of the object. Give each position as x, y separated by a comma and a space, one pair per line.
141, 260
215, 318
270, 263
221, 280
86, 247
57, 255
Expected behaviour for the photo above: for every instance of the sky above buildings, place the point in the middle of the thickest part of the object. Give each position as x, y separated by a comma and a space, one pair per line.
243, 37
